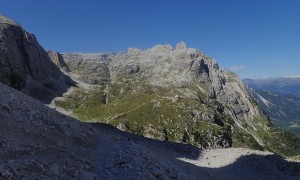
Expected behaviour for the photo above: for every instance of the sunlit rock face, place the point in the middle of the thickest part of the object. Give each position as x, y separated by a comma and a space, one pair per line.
58, 60
175, 94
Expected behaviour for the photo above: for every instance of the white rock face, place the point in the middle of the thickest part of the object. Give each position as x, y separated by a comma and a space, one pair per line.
57, 59
185, 72
180, 46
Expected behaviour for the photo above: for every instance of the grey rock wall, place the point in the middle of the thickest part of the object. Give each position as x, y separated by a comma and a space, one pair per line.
25, 66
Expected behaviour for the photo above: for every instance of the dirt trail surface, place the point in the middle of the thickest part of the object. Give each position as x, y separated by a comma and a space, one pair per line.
37, 142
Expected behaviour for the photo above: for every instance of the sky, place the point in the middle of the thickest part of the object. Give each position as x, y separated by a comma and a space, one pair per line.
253, 38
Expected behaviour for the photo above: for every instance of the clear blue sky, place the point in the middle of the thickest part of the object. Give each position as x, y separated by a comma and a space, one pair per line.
256, 38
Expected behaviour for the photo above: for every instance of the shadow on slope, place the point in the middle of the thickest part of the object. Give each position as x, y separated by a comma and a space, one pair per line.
175, 155
46, 92
38, 142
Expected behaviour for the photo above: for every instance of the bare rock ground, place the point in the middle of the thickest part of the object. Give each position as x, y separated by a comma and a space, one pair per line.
40, 143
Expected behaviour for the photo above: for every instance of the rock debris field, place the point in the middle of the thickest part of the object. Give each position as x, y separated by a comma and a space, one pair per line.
40, 143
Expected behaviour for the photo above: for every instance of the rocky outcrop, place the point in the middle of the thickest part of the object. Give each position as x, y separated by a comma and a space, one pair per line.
90, 68
37, 141
26, 66
175, 94
58, 60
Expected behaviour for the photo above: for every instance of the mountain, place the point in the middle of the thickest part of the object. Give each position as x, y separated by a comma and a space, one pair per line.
58, 60
175, 94
22, 59
178, 91
39, 143
283, 109
282, 85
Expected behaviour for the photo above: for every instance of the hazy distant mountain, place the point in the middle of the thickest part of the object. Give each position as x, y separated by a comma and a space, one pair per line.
282, 85
280, 98
284, 110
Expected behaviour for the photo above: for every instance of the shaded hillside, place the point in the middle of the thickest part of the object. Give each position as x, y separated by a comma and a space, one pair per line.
26, 66
40, 143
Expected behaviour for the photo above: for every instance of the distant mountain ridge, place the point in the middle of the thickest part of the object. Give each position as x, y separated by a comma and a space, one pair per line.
282, 85
279, 97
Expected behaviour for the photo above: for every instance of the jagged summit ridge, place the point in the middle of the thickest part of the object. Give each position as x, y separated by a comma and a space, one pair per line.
177, 94
181, 45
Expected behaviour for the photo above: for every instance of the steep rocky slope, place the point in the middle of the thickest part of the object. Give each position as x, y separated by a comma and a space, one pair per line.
39, 143
175, 94
284, 110
26, 66
279, 97
58, 60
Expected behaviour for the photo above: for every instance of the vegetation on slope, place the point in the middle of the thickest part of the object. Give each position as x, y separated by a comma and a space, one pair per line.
284, 110
162, 114
180, 95
154, 112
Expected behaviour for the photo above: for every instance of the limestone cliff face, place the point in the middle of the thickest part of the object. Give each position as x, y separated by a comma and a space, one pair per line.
176, 94
90, 68
25, 65
58, 60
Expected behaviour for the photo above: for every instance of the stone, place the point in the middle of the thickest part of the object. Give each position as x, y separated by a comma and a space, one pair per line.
11, 163
54, 168
57, 59
88, 175
180, 46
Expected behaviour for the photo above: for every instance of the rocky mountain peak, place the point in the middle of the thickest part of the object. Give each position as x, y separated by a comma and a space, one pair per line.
170, 94
21, 59
134, 51
4, 21
161, 48
181, 45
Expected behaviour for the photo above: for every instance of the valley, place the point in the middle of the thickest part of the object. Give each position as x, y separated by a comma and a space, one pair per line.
158, 113
278, 97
